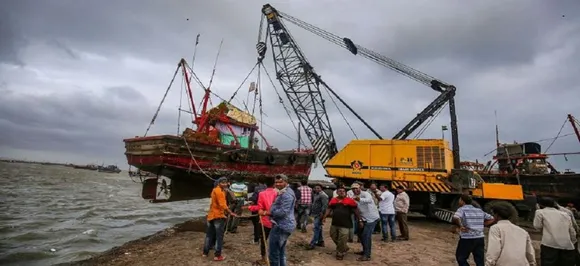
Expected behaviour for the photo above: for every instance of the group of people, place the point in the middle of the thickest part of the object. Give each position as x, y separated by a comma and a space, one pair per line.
275, 207
511, 245
278, 210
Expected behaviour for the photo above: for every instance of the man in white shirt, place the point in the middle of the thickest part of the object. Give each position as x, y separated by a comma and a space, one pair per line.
558, 235
576, 228
402, 203
387, 212
369, 215
508, 244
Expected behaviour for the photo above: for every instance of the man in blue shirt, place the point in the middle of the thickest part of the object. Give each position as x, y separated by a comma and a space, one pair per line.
283, 221
471, 222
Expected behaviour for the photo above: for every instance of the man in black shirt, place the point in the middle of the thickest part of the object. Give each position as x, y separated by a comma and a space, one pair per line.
341, 208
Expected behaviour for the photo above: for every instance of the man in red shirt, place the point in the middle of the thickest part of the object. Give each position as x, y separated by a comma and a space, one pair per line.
341, 208
265, 199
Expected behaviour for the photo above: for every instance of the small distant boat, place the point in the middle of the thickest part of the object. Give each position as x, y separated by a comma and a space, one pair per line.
109, 169
86, 167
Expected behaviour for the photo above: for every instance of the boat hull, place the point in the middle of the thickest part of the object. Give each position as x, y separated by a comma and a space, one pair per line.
563, 187
193, 167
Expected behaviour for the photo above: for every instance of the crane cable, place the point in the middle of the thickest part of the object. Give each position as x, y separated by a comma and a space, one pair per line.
339, 111
557, 136
430, 120
281, 101
365, 52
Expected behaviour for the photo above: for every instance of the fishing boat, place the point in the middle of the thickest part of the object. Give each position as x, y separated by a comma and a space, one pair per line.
526, 164
86, 167
109, 169
223, 141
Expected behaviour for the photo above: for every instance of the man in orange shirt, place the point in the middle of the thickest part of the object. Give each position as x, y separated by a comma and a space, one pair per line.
216, 220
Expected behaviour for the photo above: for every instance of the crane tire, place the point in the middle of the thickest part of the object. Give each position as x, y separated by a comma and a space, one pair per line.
270, 159
235, 157
292, 158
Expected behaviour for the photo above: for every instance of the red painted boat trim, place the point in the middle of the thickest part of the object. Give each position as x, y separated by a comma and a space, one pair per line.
183, 162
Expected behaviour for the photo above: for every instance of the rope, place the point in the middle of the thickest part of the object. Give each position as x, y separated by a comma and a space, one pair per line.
242, 84
180, 103
162, 100
557, 136
340, 112
195, 161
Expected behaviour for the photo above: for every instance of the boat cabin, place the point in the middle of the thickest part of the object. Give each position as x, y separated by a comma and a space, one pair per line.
226, 125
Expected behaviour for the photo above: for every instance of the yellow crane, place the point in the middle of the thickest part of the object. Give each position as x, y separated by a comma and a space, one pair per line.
428, 168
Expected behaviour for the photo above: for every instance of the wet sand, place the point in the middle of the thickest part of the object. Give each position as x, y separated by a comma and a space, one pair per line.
431, 244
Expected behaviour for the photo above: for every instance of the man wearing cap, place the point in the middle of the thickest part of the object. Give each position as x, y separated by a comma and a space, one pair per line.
240, 193
369, 216
216, 219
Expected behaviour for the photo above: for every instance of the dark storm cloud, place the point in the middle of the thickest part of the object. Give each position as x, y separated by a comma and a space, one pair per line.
517, 57
80, 122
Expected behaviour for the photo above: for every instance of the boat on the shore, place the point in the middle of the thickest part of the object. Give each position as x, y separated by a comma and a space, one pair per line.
109, 169
225, 142
525, 164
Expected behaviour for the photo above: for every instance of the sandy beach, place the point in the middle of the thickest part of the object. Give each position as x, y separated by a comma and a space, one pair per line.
431, 243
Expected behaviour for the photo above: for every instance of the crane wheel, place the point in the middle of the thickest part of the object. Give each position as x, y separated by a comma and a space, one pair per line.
235, 157
514, 212
270, 159
292, 158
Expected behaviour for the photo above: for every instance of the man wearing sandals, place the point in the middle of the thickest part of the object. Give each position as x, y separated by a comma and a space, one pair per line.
216, 220
341, 208
369, 216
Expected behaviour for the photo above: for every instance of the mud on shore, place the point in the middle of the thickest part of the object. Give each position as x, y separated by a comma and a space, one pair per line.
431, 244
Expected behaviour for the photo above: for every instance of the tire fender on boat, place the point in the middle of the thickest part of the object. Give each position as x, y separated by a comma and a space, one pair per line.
270, 159
234, 156
292, 158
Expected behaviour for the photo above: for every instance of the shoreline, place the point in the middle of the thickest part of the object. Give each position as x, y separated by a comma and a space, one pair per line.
194, 225
431, 244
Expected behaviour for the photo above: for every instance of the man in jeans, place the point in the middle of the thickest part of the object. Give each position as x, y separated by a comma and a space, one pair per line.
304, 204
387, 212
471, 222
369, 216
341, 208
319, 204
216, 220
402, 203
283, 222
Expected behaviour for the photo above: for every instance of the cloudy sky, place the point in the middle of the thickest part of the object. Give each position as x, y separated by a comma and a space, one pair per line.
76, 77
